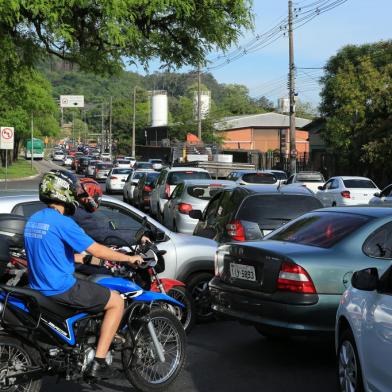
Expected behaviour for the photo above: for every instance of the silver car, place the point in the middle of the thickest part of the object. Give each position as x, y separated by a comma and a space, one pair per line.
102, 171
187, 196
252, 177
188, 259
130, 184
91, 167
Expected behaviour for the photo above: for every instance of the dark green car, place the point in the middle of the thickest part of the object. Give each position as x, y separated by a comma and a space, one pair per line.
292, 281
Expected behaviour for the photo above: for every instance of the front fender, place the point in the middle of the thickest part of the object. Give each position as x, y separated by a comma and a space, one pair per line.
150, 296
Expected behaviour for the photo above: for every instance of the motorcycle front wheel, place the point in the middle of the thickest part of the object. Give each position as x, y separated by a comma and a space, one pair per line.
141, 363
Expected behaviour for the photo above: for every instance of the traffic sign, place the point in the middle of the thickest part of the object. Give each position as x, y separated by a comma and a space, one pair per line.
72, 101
7, 138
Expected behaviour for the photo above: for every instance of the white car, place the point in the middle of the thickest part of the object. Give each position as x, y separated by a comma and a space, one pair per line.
116, 179
58, 155
309, 179
167, 181
252, 177
383, 198
346, 191
188, 259
105, 156
124, 163
157, 164
130, 184
67, 161
131, 159
363, 332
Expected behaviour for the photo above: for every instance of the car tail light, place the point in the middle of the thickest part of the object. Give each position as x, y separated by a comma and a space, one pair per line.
113, 178
236, 231
147, 188
184, 208
345, 194
294, 278
167, 191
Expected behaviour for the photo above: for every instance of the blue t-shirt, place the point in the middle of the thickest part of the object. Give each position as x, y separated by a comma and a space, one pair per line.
50, 241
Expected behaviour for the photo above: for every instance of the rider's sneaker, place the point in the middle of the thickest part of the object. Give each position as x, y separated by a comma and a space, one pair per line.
98, 370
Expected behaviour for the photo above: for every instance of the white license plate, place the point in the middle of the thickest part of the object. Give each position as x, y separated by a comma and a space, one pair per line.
240, 271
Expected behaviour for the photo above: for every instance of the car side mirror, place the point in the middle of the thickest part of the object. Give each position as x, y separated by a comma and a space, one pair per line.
252, 230
377, 194
196, 214
134, 182
320, 188
284, 182
366, 279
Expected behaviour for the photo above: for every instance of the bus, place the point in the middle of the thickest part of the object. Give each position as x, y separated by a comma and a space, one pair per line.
38, 149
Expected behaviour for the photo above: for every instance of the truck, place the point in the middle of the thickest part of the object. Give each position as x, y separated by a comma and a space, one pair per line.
38, 149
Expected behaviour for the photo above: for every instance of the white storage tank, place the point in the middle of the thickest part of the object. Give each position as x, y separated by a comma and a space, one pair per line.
205, 100
159, 108
283, 105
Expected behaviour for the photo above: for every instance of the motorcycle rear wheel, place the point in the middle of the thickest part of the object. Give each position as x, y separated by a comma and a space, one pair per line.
14, 351
146, 372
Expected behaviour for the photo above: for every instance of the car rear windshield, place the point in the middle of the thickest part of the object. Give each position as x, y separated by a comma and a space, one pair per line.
144, 165
310, 177
175, 178
272, 211
123, 161
121, 171
358, 184
279, 175
259, 178
151, 177
204, 192
321, 229
104, 166
155, 160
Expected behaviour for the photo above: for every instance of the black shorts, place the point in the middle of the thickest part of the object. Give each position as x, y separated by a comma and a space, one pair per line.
84, 295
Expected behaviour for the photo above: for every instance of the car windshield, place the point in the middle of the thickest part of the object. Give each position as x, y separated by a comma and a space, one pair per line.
321, 229
272, 211
357, 183
310, 177
204, 192
174, 178
144, 165
122, 171
259, 178
151, 177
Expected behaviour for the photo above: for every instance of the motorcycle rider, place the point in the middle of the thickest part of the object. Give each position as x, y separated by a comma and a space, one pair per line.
94, 222
51, 238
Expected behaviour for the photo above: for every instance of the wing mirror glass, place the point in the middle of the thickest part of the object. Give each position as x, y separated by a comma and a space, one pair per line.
196, 214
366, 279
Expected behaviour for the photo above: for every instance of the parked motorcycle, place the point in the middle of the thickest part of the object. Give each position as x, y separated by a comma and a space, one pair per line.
40, 337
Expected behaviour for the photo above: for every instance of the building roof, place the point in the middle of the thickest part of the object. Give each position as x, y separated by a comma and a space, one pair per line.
265, 120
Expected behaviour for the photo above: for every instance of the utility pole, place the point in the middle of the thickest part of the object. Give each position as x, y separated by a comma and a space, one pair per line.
110, 127
293, 149
198, 103
102, 131
32, 140
134, 124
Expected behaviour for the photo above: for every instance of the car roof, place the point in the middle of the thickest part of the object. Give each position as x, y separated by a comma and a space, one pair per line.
208, 182
375, 212
352, 178
267, 188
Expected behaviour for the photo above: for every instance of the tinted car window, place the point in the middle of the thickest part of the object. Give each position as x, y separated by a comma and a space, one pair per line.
144, 165
271, 211
280, 175
28, 209
204, 192
379, 243
123, 161
320, 229
175, 178
151, 178
358, 184
122, 171
230, 202
138, 175
178, 191
104, 166
259, 178
310, 177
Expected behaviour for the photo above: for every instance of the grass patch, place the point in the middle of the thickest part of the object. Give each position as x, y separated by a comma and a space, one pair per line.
20, 168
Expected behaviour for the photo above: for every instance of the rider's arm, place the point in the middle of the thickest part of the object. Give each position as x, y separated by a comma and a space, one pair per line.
103, 252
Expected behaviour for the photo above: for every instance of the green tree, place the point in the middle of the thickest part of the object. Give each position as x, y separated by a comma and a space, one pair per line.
357, 106
98, 35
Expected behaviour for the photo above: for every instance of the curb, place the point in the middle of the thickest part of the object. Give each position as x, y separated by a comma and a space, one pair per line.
21, 178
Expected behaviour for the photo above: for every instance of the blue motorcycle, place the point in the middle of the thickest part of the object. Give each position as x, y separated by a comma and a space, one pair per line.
40, 337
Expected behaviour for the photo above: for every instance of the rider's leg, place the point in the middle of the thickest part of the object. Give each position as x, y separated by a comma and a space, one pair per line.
114, 310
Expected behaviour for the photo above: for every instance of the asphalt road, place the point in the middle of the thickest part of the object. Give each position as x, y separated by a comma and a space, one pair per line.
226, 356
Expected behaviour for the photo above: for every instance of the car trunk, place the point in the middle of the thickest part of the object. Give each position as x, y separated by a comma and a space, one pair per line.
361, 195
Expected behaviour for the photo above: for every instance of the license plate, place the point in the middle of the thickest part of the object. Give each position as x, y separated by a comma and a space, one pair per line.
240, 271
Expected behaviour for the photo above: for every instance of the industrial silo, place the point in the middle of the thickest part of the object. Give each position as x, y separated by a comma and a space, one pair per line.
205, 104
159, 108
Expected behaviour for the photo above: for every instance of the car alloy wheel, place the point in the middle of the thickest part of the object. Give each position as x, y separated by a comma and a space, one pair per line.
198, 287
349, 369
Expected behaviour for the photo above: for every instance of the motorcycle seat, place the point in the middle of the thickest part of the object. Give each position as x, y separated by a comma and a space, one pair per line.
45, 303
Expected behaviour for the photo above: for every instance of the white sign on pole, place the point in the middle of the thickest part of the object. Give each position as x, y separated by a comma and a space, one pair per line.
7, 138
72, 101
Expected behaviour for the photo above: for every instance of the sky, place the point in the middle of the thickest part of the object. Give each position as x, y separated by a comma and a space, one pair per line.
264, 71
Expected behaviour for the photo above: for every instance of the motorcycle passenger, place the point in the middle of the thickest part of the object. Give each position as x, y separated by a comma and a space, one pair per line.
94, 222
51, 238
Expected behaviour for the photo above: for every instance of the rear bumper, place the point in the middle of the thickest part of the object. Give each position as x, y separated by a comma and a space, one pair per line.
286, 313
116, 187
184, 223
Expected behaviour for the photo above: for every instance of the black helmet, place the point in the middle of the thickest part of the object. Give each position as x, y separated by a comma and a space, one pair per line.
60, 186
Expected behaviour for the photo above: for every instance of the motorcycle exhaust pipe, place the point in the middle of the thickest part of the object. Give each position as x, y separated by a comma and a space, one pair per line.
157, 344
